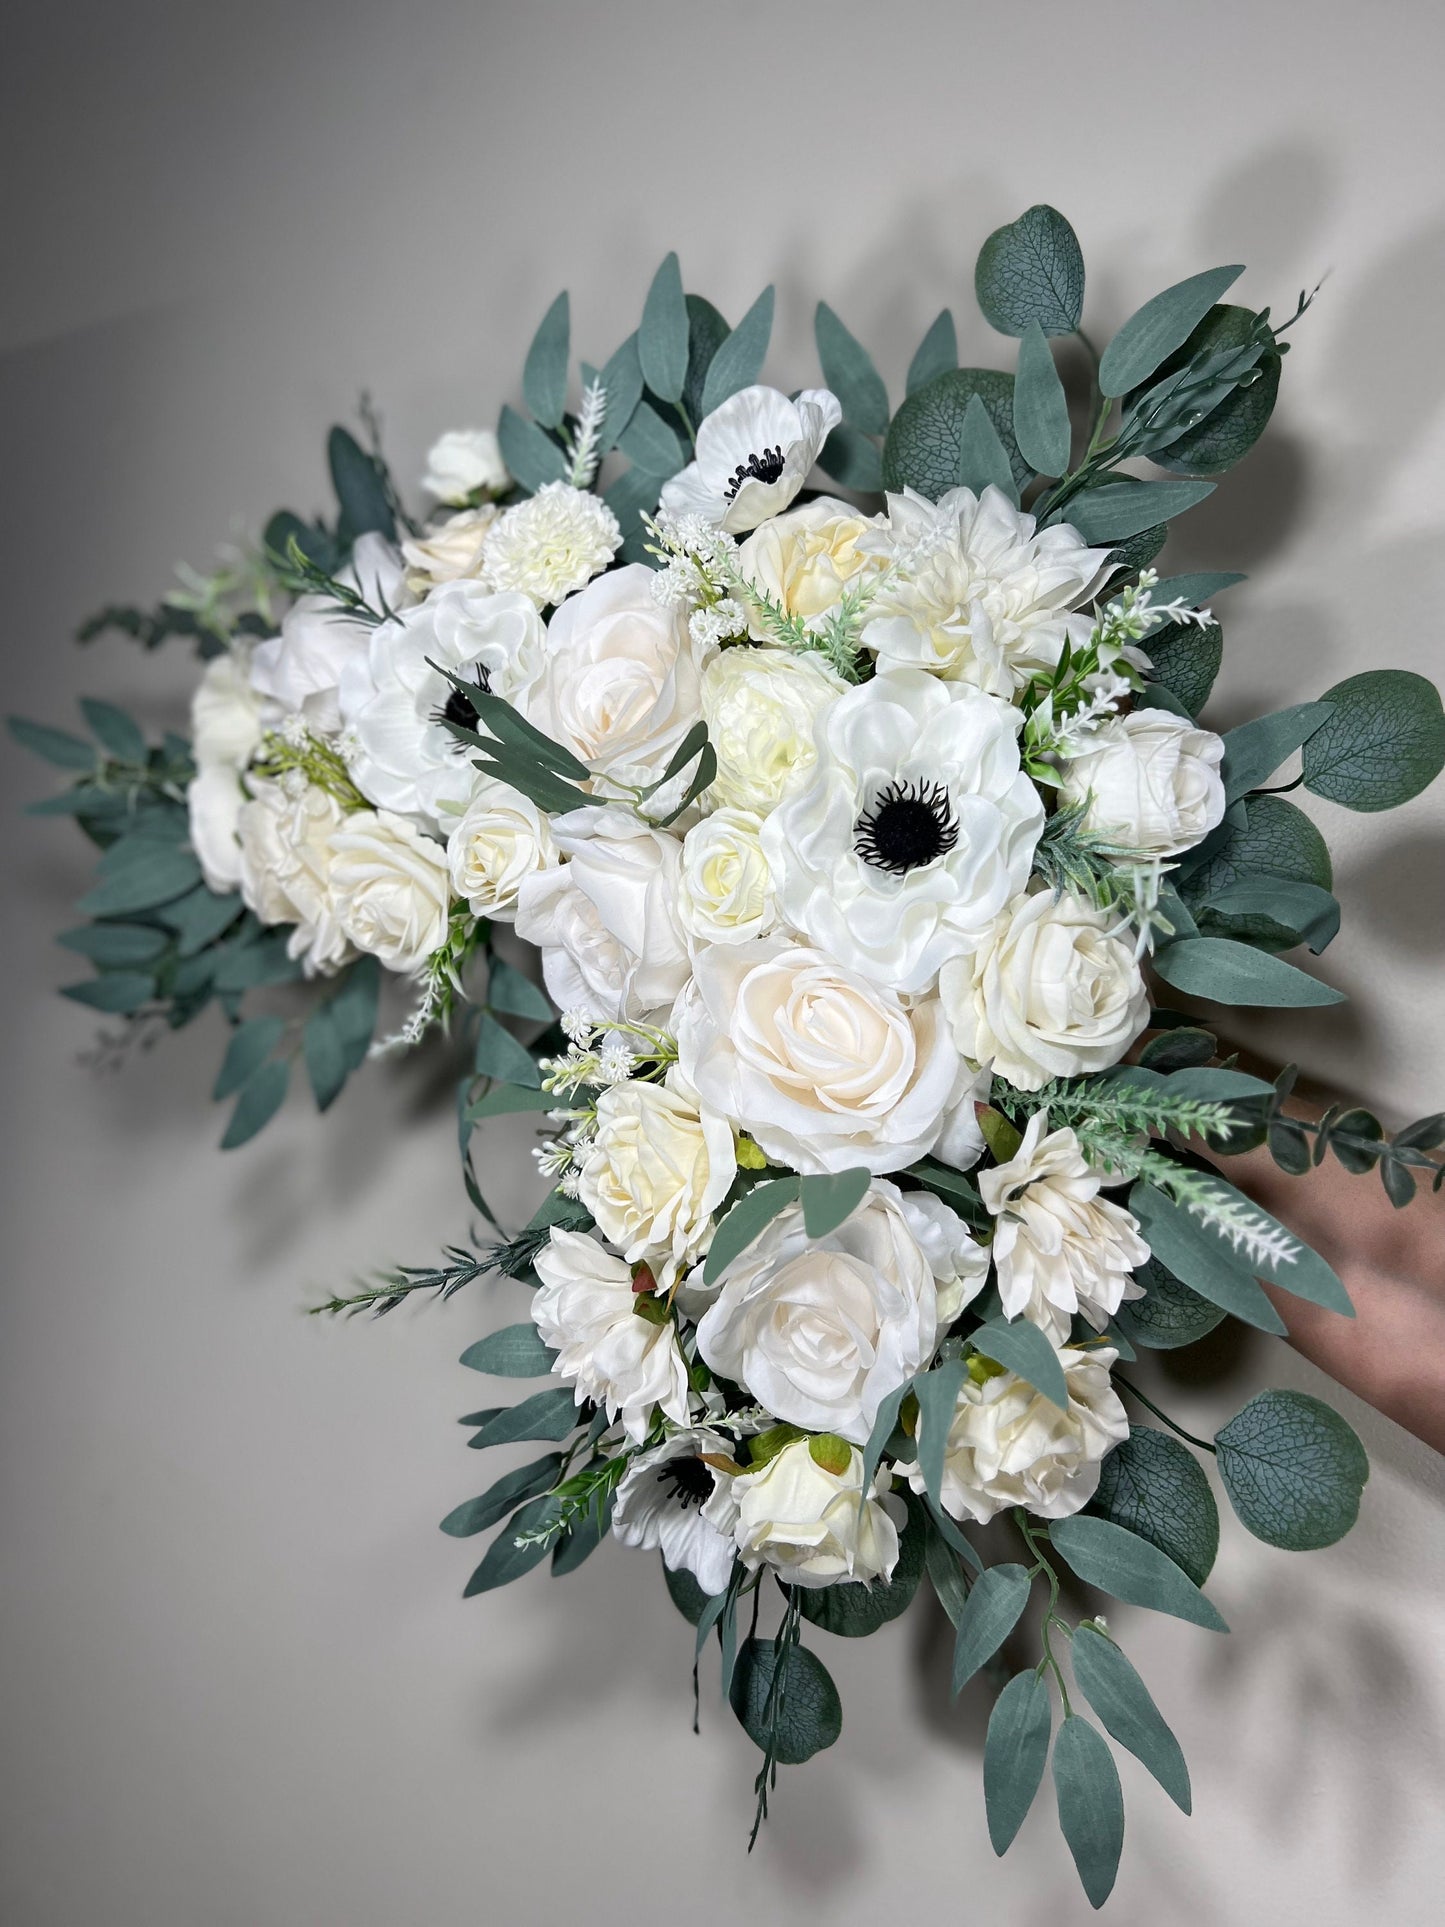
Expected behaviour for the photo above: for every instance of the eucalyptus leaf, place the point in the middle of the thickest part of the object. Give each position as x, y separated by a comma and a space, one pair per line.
1091, 1806
1382, 743
360, 488
112, 946
1153, 1485
995, 1604
261, 1096
1014, 1752
515, 1351
507, 1098
114, 730
830, 1198
117, 993
1113, 510
140, 873
1226, 972
1185, 658
739, 361
937, 1394
504, 1559
251, 1044
1313, 913
945, 1575
1274, 838
1293, 1469
924, 442
544, 374
1023, 1349
1232, 426
498, 1054
1131, 1568
983, 462
936, 354
324, 1053
1041, 412
1165, 323
808, 1715
651, 444
1123, 1703
1031, 271
662, 338
512, 1489
1204, 1262
852, 1610
621, 380
56, 746
513, 994
745, 1221
1169, 1314
1255, 750
849, 372
852, 460
533, 459
545, 1415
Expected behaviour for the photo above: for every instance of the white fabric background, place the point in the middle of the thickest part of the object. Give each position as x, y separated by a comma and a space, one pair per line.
237, 1685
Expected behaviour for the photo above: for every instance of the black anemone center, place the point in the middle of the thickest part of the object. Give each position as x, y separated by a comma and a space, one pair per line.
766, 467
909, 824
690, 1479
460, 709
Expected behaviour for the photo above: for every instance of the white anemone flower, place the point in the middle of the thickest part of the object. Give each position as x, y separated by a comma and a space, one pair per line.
665, 1500
754, 453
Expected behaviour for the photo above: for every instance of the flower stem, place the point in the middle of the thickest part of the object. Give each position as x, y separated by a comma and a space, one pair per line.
1144, 1399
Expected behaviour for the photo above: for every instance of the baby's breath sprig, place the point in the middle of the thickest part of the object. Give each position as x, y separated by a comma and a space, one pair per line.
698, 572
441, 983
292, 750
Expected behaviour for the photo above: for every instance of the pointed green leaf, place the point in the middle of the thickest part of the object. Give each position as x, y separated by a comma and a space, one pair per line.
852, 460
544, 375
324, 1050
57, 746
512, 1489
936, 354
498, 1054
112, 946
1091, 1806
516, 1351
545, 1415
849, 372
1255, 750
1169, 1314
360, 488
1114, 510
651, 444
532, 457
739, 361
513, 994
983, 461
1225, 972
261, 1096
831, 1197
1123, 1703
1120, 1562
937, 1395
621, 379
504, 1559
117, 993
114, 730
507, 1098
944, 1574
1041, 413
251, 1044
1013, 1756
662, 338
1022, 1348
746, 1220
1153, 332
1200, 1259
995, 1604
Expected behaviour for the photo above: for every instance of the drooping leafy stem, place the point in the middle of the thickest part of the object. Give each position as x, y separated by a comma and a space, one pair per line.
788, 1637
1052, 1617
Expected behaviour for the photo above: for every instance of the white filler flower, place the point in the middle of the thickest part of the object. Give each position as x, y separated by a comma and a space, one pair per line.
753, 455
1059, 1247
1151, 782
1052, 991
805, 1514
1008, 1445
613, 1352
915, 827
977, 592
665, 1503
552, 543
760, 706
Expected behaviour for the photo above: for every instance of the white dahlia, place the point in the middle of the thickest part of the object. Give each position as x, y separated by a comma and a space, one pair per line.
552, 543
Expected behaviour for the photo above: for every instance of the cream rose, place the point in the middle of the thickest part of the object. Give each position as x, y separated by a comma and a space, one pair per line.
820, 1330
805, 561
500, 839
1151, 782
1059, 1248
606, 920
760, 706
654, 1173
1050, 992
391, 889
824, 1069
226, 724
725, 894
805, 1514
1008, 1445
287, 835
465, 462
450, 551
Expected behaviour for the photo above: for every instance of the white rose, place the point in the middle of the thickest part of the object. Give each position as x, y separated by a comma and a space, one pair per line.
1151, 782
666, 1503
1050, 992
621, 677
1059, 1248
288, 846
391, 889
654, 1173
213, 799
449, 552
301, 669
825, 1070
606, 921
607, 1337
725, 894
760, 706
463, 463
806, 560
959, 1263
226, 722
804, 1513
819, 1331
1008, 1445
501, 838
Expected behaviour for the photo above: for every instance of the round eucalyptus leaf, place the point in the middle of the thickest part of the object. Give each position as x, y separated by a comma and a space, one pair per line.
1031, 270
1136, 552
1153, 1485
1186, 658
1384, 743
1276, 839
1168, 1315
925, 438
806, 1714
853, 1610
1229, 431
1293, 1469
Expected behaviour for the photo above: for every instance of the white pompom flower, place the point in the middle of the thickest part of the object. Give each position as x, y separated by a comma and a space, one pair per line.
551, 544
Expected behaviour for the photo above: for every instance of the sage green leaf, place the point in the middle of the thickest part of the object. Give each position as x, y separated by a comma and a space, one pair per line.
1230, 429
884, 1424
936, 354
1041, 413
983, 461
353, 1010
1186, 658
1226, 972
1168, 1315
138, 873
1216, 1084
200, 917
507, 1098
707, 330
1114, 510
1204, 1262
924, 441
739, 361
1293, 1469
1022, 1348
1312, 913
112, 946
57, 746
512, 993
829, 1198
533, 459
1153, 1485
852, 1610
1133, 553
261, 1096
1123, 1703
545, 1415
952, 1537
1131, 1568
247, 961
516, 1351
662, 338
621, 380
945, 1574
1165, 323
651, 444
1032, 270
1014, 1753
849, 372
1255, 750
1274, 839
114, 730
1178, 1048
1091, 1806
995, 1604
499, 1055
685, 1593
746, 1220
117, 993
806, 1715
633, 495
251, 1044
324, 1051
852, 460
1384, 741
937, 1394
544, 374
1195, 590
504, 1560
360, 488
512, 1489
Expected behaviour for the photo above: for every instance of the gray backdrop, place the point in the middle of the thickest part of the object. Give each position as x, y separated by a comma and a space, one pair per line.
237, 1685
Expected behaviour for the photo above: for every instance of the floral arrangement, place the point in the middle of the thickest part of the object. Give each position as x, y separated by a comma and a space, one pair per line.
864, 842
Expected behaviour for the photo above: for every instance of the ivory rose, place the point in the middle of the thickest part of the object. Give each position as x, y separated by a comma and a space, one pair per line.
287, 835
500, 839
1151, 782
725, 893
805, 561
811, 1522
760, 706
390, 887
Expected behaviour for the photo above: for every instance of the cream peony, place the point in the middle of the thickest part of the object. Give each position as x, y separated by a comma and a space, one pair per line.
914, 828
465, 462
1008, 1445
1151, 782
549, 545
301, 669
665, 1503
657, 1168
390, 887
500, 838
606, 920
450, 551
287, 835
806, 560
586, 1309
959, 1263
976, 592
825, 1070
812, 1523
754, 452
760, 706
1050, 992
1059, 1248
725, 893
820, 1330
